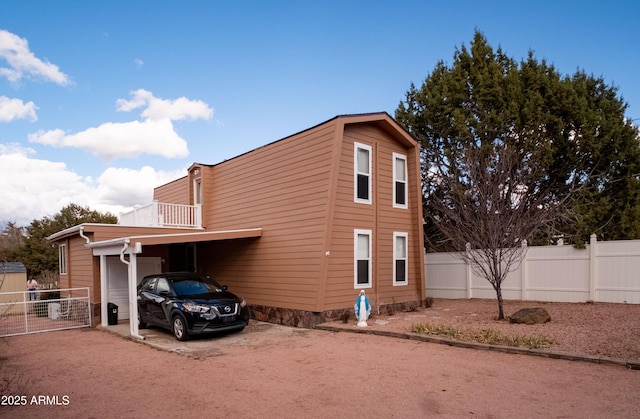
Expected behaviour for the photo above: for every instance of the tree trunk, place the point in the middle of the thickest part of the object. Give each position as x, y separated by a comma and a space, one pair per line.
500, 302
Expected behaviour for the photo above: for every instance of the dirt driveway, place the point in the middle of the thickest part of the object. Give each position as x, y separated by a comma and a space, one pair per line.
271, 371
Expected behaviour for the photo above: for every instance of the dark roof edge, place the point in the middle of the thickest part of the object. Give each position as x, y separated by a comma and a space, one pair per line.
12, 267
355, 115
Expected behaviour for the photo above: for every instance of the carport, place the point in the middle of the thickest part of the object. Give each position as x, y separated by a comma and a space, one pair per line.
128, 249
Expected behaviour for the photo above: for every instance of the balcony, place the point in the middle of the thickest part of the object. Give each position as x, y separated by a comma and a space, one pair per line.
159, 214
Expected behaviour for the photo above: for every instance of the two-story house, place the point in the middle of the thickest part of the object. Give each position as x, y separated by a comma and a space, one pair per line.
297, 227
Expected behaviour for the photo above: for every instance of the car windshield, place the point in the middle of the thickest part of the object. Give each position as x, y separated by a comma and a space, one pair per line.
195, 286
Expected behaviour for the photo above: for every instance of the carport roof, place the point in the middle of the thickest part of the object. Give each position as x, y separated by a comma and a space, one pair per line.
115, 246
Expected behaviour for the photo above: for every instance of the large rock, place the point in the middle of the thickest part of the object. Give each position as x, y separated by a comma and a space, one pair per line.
535, 315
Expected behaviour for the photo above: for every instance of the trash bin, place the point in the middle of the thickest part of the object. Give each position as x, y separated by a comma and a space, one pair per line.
112, 316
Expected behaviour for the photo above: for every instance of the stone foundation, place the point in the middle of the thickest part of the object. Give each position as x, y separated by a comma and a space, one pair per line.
302, 318
309, 319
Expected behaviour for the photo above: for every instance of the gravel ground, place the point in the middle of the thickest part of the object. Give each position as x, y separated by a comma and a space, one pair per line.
592, 329
270, 371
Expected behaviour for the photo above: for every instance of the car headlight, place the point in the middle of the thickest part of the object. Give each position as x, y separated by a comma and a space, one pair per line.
195, 308
243, 303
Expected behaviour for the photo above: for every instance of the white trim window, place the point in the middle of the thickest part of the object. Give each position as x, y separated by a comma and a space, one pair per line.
362, 173
62, 259
197, 191
399, 181
400, 258
362, 258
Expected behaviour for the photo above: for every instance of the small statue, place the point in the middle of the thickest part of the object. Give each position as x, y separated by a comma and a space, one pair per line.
362, 309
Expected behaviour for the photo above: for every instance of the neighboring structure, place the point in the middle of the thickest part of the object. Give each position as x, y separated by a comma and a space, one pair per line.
298, 227
13, 277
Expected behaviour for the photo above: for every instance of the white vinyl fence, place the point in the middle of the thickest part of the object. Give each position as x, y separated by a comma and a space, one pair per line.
604, 271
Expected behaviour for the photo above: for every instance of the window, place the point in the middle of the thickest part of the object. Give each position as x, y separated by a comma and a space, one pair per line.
362, 173
149, 285
362, 259
197, 192
62, 258
400, 258
163, 286
399, 181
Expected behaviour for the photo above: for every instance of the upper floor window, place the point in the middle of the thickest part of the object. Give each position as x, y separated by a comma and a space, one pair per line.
400, 258
399, 180
197, 192
362, 173
362, 259
62, 258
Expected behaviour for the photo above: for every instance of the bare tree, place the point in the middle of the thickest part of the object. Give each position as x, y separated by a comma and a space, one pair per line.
489, 202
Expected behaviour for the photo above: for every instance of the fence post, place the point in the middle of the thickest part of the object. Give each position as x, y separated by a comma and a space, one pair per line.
523, 272
593, 266
26, 311
469, 270
155, 214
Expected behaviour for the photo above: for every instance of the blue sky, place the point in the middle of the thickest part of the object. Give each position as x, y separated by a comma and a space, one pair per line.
100, 101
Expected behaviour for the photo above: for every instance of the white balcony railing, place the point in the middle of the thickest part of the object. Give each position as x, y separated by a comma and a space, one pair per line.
159, 214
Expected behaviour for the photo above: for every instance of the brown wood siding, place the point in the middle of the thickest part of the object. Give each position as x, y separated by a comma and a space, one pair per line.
380, 217
284, 189
176, 192
82, 262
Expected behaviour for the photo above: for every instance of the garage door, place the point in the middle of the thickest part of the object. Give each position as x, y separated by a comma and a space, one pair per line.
118, 282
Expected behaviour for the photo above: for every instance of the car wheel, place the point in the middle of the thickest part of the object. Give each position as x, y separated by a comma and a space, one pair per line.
141, 323
179, 326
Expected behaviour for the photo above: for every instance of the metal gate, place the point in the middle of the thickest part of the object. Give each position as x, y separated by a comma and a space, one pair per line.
44, 311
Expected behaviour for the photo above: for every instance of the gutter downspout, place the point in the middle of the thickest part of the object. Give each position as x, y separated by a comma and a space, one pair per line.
124, 248
132, 305
88, 242
81, 232
376, 228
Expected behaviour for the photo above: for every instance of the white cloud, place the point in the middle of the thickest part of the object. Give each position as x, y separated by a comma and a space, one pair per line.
113, 140
138, 62
178, 109
22, 62
34, 188
11, 109
153, 135
128, 187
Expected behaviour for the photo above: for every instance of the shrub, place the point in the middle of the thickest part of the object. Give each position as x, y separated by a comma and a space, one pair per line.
50, 295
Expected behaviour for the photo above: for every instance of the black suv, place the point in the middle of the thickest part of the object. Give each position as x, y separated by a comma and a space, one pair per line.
189, 303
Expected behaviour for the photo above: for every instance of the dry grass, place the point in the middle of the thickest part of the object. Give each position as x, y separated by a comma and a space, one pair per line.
486, 336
